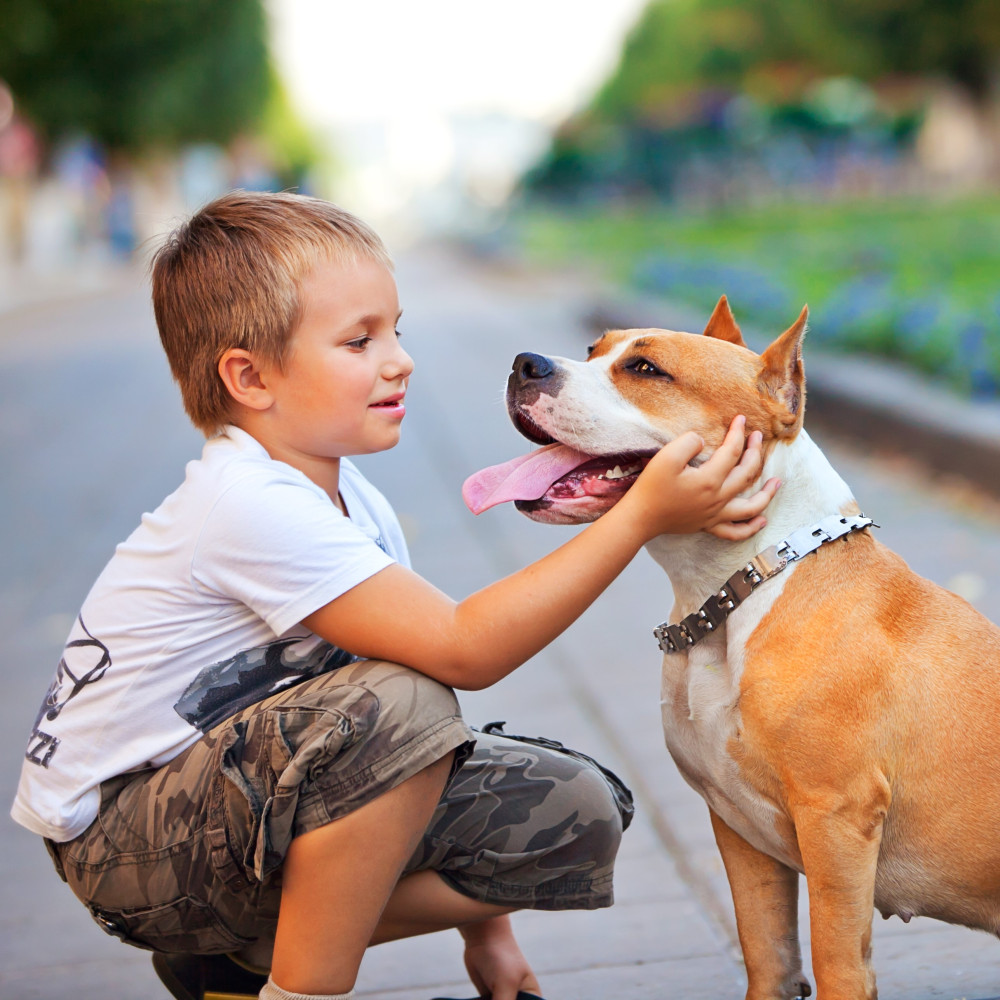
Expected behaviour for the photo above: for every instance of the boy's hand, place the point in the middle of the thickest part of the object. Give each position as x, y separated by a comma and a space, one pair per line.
494, 961
677, 498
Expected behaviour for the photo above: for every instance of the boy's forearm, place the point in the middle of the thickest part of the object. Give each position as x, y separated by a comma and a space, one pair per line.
508, 622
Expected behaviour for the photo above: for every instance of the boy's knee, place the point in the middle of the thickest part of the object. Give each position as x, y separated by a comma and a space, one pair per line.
375, 695
407, 699
592, 818
524, 825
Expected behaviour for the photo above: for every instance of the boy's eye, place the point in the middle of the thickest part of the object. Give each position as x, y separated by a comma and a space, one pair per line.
399, 333
360, 344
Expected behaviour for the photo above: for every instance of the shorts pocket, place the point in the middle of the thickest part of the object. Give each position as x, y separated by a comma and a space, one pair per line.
183, 925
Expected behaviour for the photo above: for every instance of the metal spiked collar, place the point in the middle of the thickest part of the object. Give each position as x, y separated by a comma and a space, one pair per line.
713, 613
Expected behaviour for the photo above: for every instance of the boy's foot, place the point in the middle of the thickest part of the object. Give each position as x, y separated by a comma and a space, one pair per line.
207, 977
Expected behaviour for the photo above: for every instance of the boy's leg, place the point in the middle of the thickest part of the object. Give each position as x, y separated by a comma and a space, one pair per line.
334, 886
522, 827
423, 903
188, 858
519, 826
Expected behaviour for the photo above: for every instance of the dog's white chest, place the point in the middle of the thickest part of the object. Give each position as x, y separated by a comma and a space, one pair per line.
701, 724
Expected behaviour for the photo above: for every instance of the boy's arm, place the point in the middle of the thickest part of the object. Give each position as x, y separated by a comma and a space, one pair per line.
397, 615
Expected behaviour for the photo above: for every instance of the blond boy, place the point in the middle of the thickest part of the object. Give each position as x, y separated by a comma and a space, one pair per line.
230, 760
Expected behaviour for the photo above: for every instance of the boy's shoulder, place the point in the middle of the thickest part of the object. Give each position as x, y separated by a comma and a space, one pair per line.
235, 457
237, 487
234, 484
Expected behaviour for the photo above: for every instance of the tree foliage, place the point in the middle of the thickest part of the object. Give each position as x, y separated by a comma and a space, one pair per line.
136, 74
770, 49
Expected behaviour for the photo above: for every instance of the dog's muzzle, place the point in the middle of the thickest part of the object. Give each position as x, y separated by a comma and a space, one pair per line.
532, 376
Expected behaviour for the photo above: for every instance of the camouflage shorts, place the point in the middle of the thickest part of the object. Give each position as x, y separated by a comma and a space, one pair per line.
188, 857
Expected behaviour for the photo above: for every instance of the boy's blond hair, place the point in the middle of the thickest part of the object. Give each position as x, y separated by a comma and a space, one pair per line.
230, 277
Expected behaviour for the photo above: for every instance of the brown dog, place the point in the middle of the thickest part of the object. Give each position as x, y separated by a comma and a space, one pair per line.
839, 714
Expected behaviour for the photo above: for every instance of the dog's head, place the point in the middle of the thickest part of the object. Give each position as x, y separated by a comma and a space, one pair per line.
600, 420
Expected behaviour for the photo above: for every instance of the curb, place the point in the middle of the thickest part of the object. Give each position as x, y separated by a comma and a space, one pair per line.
869, 401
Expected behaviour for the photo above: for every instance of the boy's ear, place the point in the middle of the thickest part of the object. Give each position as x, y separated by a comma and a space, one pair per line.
242, 377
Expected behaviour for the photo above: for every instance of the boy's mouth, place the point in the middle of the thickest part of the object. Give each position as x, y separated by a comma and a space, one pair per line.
390, 402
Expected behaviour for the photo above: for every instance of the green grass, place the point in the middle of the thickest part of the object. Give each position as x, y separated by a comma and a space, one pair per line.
917, 280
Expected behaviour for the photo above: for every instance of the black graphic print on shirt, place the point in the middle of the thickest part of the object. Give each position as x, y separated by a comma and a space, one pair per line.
85, 660
252, 675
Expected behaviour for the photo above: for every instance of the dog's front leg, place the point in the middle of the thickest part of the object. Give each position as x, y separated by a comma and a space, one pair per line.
839, 838
766, 897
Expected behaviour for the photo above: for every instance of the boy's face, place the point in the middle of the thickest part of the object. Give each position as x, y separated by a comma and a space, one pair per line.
344, 377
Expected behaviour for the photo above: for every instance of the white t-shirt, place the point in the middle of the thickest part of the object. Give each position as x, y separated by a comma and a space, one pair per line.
196, 616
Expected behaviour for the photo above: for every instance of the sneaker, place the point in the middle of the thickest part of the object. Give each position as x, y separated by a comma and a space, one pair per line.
207, 977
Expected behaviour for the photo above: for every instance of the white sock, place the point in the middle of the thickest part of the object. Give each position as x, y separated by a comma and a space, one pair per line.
272, 991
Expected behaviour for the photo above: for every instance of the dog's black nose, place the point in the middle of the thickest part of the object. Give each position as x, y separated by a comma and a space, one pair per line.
533, 366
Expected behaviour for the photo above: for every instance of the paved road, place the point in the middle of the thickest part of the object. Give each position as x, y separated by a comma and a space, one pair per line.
92, 434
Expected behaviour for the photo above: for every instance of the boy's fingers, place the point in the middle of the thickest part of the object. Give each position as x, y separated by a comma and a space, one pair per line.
733, 442
737, 531
741, 518
747, 469
743, 508
728, 455
682, 449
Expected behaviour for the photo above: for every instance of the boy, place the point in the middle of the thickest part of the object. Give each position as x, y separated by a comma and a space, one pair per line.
213, 771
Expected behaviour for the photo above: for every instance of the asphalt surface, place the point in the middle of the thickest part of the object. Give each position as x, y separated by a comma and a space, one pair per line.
92, 434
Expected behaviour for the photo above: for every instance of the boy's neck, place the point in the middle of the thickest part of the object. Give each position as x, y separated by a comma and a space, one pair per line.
324, 472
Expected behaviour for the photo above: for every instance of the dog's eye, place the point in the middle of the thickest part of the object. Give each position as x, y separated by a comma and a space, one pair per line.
645, 367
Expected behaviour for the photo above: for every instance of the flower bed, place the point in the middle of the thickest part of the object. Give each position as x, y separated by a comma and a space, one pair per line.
914, 280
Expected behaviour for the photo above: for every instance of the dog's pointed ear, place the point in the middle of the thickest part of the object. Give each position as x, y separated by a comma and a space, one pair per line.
782, 375
722, 324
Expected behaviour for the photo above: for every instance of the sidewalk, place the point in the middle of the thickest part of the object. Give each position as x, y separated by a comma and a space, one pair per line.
671, 932
28, 286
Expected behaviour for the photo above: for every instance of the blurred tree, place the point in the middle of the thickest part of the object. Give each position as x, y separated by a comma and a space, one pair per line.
292, 144
702, 83
138, 74
772, 48
956, 39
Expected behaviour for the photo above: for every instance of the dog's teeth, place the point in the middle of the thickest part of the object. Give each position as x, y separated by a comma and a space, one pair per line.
618, 473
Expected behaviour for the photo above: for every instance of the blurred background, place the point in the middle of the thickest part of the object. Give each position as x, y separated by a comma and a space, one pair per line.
838, 152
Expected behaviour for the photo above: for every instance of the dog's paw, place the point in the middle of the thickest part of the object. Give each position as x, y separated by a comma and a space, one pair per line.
803, 989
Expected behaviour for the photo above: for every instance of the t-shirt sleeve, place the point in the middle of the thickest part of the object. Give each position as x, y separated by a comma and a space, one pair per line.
282, 549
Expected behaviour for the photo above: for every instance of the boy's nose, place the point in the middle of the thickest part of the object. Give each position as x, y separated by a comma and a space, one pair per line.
400, 365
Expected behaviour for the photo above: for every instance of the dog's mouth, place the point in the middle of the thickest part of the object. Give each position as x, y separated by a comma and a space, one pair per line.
530, 429
587, 492
555, 484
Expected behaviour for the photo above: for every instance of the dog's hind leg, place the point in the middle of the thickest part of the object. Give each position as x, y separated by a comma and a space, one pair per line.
766, 896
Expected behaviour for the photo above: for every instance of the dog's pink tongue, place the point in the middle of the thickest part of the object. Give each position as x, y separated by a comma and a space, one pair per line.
524, 478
